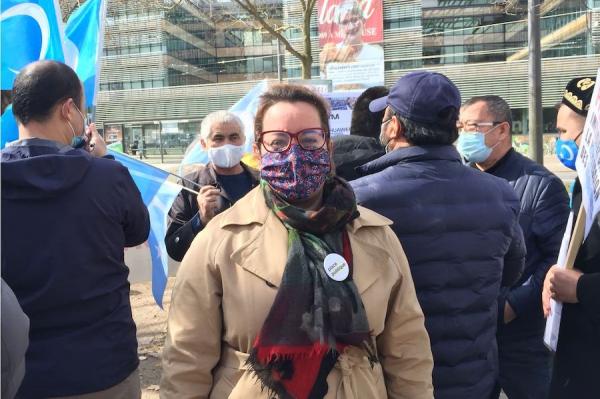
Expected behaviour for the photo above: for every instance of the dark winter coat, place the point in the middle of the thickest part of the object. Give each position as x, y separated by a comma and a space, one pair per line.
459, 229
183, 218
66, 218
350, 152
543, 217
576, 372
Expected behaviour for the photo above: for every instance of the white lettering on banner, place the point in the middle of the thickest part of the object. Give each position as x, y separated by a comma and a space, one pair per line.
330, 13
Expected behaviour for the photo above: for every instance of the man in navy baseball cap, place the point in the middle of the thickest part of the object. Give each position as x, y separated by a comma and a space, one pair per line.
458, 226
423, 97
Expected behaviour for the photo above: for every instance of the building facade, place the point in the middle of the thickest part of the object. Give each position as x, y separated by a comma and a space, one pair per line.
165, 68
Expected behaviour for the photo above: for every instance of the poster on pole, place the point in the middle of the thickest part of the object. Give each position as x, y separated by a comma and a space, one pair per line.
588, 172
340, 116
351, 43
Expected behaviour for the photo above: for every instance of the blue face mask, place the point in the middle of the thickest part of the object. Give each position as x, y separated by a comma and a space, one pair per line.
471, 146
566, 151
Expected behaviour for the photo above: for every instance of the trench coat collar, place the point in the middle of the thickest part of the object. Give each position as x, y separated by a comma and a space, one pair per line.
264, 253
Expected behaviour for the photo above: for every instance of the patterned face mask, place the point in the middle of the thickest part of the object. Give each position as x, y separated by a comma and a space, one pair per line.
295, 174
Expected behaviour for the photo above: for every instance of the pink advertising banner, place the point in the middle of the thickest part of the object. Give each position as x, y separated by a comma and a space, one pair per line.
350, 39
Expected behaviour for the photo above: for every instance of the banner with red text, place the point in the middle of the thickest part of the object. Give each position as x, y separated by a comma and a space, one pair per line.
351, 43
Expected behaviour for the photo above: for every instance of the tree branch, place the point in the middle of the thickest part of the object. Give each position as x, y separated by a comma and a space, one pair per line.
252, 10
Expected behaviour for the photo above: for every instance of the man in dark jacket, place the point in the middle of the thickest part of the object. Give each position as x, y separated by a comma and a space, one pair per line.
362, 145
220, 183
67, 215
485, 140
576, 369
459, 228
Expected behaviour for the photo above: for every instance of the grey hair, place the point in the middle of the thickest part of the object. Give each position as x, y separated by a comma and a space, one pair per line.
218, 117
496, 106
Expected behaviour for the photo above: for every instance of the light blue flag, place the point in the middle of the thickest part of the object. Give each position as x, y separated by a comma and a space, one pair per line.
158, 195
30, 31
10, 131
83, 45
245, 109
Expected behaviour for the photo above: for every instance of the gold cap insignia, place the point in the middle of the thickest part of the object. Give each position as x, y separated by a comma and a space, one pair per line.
585, 84
573, 99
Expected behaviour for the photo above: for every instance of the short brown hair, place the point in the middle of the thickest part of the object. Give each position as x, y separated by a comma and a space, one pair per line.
290, 93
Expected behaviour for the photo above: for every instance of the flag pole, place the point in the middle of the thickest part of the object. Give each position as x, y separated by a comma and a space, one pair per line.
162, 170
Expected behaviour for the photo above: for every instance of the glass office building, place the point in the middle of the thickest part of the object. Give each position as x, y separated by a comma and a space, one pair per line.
165, 68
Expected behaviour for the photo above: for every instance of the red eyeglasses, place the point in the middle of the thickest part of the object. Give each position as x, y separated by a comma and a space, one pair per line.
311, 139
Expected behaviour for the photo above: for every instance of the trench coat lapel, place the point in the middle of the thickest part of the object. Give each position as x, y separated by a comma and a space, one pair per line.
265, 253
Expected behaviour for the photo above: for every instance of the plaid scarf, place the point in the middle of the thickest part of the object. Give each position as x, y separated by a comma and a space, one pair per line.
313, 317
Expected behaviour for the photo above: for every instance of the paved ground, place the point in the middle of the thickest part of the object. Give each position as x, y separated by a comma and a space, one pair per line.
151, 328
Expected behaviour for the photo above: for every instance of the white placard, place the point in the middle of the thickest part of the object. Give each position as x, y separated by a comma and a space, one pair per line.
340, 117
356, 75
588, 160
553, 321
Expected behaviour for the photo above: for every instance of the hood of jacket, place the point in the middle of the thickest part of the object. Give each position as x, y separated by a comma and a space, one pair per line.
39, 168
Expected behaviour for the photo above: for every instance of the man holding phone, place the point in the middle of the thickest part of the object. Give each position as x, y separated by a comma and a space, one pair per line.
220, 183
68, 211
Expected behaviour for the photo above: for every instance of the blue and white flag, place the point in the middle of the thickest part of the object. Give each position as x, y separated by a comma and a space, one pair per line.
158, 195
9, 131
83, 45
30, 30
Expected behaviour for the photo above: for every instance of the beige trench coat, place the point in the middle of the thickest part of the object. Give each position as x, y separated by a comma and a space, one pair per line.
226, 285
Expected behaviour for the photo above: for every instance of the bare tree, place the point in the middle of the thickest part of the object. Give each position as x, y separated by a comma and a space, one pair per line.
257, 10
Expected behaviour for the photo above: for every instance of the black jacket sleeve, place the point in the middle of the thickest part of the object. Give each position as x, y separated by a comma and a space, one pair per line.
183, 225
588, 260
550, 215
588, 293
514, 260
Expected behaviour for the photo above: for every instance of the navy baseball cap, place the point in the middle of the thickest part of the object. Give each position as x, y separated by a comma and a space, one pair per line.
420, 97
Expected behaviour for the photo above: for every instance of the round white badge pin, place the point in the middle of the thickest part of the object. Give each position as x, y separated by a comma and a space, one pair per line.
336, 267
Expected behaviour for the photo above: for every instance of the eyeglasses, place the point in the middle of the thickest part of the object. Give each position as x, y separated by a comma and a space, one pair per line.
474, 126
387, 120
383, 122
311, 139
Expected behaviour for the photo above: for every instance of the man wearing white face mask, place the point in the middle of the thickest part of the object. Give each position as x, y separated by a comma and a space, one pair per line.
485, 141
220, 183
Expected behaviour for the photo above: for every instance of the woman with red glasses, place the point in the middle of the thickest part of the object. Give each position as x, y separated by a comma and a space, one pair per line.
295, 292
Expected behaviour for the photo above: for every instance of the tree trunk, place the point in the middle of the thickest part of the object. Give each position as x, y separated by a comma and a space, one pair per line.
307, 59
306, 68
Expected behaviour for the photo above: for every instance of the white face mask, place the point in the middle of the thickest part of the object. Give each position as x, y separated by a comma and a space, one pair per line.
226, 156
